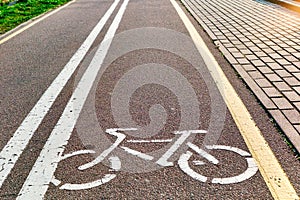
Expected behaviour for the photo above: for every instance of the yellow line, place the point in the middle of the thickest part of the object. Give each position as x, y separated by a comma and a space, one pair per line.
274, 176
35, 21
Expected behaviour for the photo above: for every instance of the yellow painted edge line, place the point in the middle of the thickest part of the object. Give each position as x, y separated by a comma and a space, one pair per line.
34, 21
269, 167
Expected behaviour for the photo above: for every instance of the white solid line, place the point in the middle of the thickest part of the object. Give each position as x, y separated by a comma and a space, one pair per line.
149, 141
137, 153
16, 145
38, 180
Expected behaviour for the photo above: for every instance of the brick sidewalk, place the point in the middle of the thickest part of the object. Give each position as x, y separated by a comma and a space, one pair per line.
261, 40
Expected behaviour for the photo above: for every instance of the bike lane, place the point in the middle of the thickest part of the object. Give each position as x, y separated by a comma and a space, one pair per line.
126, 84
135, 177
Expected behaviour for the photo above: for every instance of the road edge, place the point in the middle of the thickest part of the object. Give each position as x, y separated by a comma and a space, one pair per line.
31, 22
267, 162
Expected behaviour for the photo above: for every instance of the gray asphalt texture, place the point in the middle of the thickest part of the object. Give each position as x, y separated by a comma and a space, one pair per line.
31, 61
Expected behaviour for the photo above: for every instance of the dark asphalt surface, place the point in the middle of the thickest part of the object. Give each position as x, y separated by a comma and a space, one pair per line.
31, 61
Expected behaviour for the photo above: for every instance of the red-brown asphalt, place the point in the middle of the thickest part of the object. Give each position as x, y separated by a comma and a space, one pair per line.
30, 61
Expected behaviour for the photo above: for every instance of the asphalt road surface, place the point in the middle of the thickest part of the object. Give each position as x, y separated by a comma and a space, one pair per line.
106, 99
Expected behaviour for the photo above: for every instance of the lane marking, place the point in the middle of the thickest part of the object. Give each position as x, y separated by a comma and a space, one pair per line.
42, 172
76, 153
150, 141
115, 165
203, 153
32, 23
268, 164
16, 145
250, 171
184, 166
137, 153
104, 154
163, 160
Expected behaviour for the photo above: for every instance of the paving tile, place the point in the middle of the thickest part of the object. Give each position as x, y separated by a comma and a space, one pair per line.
272, 92
233, 50
257, 63
270, 43
226, 43
264, 49
297, 105
291, 58
287, 128
227, 55
283, 45
243, 61
282, 103
269, 51
252, 57
292, 96
274, 66
235, 42
249, 44
256, 75
262, 45
297, 89
283, 52
249, 68
297, 55
292, 115
283, 73
260, 53
276, 48
265, 70
292, 81
241, 46
255, 49
267, 59
291, 68
238, 55
297, 75
275, 55
291, 50
263, 82
297, 128
246, 52
283, 62
273, 77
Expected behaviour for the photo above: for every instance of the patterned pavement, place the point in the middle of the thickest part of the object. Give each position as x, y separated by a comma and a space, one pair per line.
261, 40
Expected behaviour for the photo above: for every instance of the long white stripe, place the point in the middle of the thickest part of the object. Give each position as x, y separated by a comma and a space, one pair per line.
16, 145
42, 172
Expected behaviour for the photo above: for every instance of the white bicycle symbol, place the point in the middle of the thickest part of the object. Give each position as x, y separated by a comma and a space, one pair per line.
115, 163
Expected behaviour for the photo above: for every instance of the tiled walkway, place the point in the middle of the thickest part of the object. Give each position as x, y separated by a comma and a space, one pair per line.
262, 42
